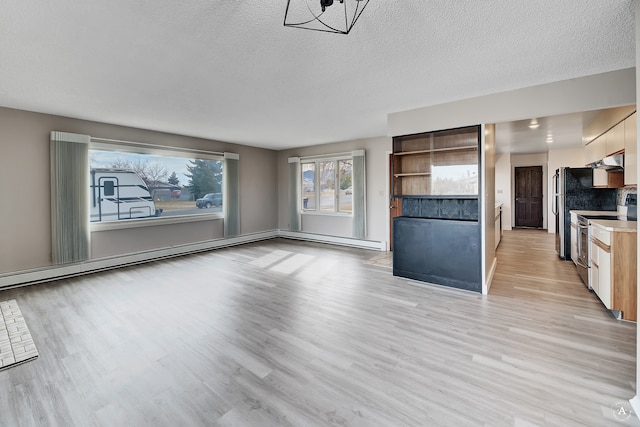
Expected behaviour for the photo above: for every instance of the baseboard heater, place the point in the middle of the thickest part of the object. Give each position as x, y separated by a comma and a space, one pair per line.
48, 274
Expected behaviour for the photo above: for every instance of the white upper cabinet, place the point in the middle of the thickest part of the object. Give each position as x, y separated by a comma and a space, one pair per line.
615, 139
630, 150
596, 149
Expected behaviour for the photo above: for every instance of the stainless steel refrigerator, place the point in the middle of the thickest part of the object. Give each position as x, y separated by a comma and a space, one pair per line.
573, 190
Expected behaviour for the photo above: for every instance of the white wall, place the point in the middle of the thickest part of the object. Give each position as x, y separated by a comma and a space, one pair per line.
600, 91
377, 203
24, 171
503, 187
569, 157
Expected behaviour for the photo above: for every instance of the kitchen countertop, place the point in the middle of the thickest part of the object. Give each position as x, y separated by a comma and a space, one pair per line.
615, 225
612, 213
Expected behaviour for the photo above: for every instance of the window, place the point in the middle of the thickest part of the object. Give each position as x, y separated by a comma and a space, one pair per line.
327, 186
133, 185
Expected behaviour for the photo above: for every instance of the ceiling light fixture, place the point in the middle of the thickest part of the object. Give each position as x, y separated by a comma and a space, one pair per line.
549, 138
534, 124
316, 15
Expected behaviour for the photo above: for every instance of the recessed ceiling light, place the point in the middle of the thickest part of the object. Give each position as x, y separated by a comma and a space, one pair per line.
534, 124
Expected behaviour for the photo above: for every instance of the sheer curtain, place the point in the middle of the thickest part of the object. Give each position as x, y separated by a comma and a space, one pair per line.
69, 197
359, 195
294, 194
231, 195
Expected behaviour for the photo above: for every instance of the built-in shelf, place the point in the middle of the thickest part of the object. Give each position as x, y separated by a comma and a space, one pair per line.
442, 162
434, 150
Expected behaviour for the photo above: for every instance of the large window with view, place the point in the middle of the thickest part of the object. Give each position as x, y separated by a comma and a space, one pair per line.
127, 185
327, 185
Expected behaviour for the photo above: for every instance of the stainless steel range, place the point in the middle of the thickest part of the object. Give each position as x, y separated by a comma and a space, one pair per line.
584, 257
583, 263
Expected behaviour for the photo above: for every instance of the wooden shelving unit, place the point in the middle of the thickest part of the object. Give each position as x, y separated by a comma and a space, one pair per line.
416, 156
437, 238
434, 150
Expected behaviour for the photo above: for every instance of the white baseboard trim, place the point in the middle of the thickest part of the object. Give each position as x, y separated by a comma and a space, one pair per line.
47, 274
334, 240
487, 284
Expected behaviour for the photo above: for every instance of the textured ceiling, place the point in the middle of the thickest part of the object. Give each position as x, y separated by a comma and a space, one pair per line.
229, 70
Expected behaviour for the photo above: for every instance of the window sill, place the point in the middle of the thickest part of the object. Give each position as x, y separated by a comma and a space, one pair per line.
320, 213
151, 222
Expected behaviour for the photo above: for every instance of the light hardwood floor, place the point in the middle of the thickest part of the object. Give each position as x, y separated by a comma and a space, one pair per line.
285, 333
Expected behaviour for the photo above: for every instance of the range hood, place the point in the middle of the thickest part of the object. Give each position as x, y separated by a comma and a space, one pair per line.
610, 163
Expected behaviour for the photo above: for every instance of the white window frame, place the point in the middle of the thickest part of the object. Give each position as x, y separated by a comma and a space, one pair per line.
335, 158
158, 150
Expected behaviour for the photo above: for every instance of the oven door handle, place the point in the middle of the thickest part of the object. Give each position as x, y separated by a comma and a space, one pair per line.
579, 242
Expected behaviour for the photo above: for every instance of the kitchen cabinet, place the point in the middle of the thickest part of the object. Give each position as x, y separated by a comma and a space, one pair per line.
604, 179
595, 150
594, 273
620, 138
601, 273
615, 139
614, 267
630, 150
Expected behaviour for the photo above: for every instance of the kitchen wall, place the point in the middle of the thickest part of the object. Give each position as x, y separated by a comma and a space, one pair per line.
503, 187
377, 189
25, 228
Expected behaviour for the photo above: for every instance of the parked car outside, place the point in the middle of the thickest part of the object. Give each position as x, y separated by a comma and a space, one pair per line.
209, 199
348, 191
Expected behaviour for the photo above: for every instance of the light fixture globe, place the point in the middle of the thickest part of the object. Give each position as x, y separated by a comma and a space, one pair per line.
324, 15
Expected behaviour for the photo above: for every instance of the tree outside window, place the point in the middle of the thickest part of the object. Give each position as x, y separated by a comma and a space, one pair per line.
331, 185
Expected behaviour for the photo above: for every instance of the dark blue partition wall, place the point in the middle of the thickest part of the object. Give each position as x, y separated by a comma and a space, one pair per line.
444, 252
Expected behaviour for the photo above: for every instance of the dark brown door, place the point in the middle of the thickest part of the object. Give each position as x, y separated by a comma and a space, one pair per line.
529, 196
395, 204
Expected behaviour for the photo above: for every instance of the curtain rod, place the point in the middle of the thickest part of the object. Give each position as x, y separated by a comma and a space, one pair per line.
160, 147
322, 156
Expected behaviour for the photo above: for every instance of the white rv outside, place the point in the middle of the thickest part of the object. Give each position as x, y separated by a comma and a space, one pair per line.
117, 194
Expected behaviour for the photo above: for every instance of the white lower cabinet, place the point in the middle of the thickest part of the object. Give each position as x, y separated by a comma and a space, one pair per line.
601, 264
604, 277
594, 273
574, 241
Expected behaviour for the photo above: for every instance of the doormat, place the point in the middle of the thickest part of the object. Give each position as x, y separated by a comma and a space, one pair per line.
16, 344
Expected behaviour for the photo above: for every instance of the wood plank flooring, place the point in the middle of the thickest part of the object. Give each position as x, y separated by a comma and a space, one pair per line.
286, 333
